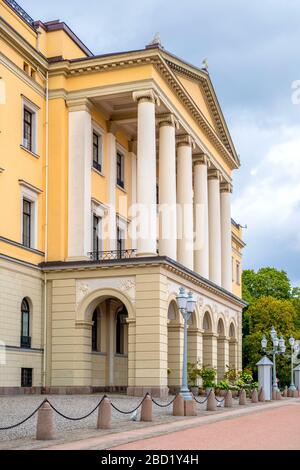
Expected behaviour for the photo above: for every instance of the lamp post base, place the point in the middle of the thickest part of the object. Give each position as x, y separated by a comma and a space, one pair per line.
186, 394
292, 388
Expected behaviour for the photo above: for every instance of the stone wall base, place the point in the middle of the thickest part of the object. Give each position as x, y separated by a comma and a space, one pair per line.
10, 391
155, 392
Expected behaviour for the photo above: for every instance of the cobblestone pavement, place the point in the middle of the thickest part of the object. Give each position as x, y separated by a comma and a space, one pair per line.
15, 409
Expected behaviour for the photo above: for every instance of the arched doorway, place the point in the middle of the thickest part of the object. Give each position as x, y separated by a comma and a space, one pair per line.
109, 345
175, 347
222, 350
233, 363
208, 341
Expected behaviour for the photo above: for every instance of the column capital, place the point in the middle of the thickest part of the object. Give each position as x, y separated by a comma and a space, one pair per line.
132, 146
143, 96
185, 140
82, 104
201, 159
167, 120
226, 187
112, 127
214, 174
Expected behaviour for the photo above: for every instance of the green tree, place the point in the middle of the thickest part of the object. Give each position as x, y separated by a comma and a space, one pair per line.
265, 282
261, 316
296, 302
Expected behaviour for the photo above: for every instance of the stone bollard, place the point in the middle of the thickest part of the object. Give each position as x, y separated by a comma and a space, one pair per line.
211, 402
178, 406
261, 396
190, 408
146, 413
278, 395
254, 396
295, 394
104, 414
274, 395
46, 429
228, 403
243, 398
285, 392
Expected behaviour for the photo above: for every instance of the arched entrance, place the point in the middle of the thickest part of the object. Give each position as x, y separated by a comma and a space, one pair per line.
233, 363
208, 341
221, 348
103, 320
175, 347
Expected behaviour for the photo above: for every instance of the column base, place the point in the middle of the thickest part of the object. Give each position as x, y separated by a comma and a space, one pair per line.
156, 392
146, 255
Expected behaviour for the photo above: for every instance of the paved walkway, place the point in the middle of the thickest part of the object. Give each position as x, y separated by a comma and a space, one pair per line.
276, 429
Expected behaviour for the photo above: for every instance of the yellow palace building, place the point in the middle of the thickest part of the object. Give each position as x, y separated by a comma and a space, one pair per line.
115, 192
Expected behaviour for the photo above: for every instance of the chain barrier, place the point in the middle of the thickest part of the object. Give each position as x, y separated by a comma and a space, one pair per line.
8, 428
204, 401
130, 412
76, 419
164, 406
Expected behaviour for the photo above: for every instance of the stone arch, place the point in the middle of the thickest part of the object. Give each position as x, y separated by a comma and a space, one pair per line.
175, 344
222, 348
208, 338
109, 369
233, 345
90, 302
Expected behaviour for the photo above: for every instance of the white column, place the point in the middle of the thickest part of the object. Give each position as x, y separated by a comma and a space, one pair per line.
214, 217
226, 190
79, 184
185, 223
167, 188
112, 158
146, 173
201, 254
132, 156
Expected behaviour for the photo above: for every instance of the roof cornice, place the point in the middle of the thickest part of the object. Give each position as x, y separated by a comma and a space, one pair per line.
162, 261
15, 40
153, 57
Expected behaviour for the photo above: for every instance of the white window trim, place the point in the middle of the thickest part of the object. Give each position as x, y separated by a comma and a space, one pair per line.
123, 151
96, 129
34, 109
31, 194
99, 210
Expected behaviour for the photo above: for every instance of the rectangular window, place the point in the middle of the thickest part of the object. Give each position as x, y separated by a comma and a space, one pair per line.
97, 151
120, 170
96, 238
232, 268
27, 221
26, 378
28, 129
120, 242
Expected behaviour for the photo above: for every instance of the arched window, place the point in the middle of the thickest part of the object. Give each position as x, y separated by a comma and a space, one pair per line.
206, 322
95, 331
120, 330
232, 331
25, 325
221, 329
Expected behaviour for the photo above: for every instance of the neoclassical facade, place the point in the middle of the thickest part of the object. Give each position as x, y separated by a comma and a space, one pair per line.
115, 185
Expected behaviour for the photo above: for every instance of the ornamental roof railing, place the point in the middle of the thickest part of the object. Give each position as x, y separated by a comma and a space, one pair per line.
22, 13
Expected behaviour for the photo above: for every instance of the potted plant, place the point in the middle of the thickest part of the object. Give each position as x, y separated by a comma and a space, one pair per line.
193, 376
208, 376
222, 387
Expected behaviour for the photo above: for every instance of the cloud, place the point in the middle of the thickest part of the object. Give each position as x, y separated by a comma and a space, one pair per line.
269, 202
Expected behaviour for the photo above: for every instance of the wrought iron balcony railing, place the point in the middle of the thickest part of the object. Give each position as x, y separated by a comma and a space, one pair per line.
19, 10
112, 255
25, 342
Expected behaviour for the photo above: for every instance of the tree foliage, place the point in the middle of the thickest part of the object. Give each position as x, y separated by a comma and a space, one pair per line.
266, 282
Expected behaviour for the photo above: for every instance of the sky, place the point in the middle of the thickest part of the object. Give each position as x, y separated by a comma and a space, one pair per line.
253, 55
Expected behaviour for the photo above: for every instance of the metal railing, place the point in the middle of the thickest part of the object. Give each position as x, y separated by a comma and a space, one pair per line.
19, 10
112, 255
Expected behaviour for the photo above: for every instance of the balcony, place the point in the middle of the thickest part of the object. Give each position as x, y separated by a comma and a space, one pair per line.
25, 342
112, 255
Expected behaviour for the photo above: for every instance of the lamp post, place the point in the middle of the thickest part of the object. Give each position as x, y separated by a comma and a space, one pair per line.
294, 352
278, 348
186, 304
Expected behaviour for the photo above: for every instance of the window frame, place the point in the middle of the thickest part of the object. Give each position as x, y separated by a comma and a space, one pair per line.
23, 375
121, 316
30, 194
33, 109
120, 168
28, 241
238, 273
97, 231
99, 132
25, 340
